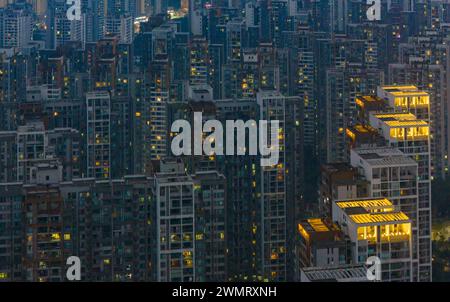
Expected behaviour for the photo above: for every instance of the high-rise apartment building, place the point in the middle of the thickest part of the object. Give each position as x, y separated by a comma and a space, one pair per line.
411, 135
392, 174
376, 228
401, 129
199, 62
281, 184
321, 244
16, 25
68, 30
343, 86
339, 181
11, 235
159, 93
108, 226
35, 146
46, 248
210, 226
174, 223
424, 64
121, 25
98, 135
242, 175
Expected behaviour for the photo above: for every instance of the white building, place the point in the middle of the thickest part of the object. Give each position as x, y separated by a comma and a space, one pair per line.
392, 174
377, 229
412, 136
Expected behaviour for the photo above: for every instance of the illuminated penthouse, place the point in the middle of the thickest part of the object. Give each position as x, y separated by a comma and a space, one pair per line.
406, 99
401, 127
376, 228
412, 136
409, 99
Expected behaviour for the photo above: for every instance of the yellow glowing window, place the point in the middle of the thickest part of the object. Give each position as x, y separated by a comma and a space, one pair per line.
56, 237
3, 275
188, 263
418, 133
395, 231
398, 133
401, 102
367, 233
254, 229
187, 254
66, 236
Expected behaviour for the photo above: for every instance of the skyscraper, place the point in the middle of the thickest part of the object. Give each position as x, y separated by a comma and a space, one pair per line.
174, 223
281, 191
411, 135
16, 25
98, 130
376, 228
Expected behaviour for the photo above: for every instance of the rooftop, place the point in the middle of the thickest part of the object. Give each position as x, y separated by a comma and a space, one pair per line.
362, 129
365, 203
372, 211
401, 120
406, 90
347, 273
384, 157
370, 101
380, 217
319, 229
318, 225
